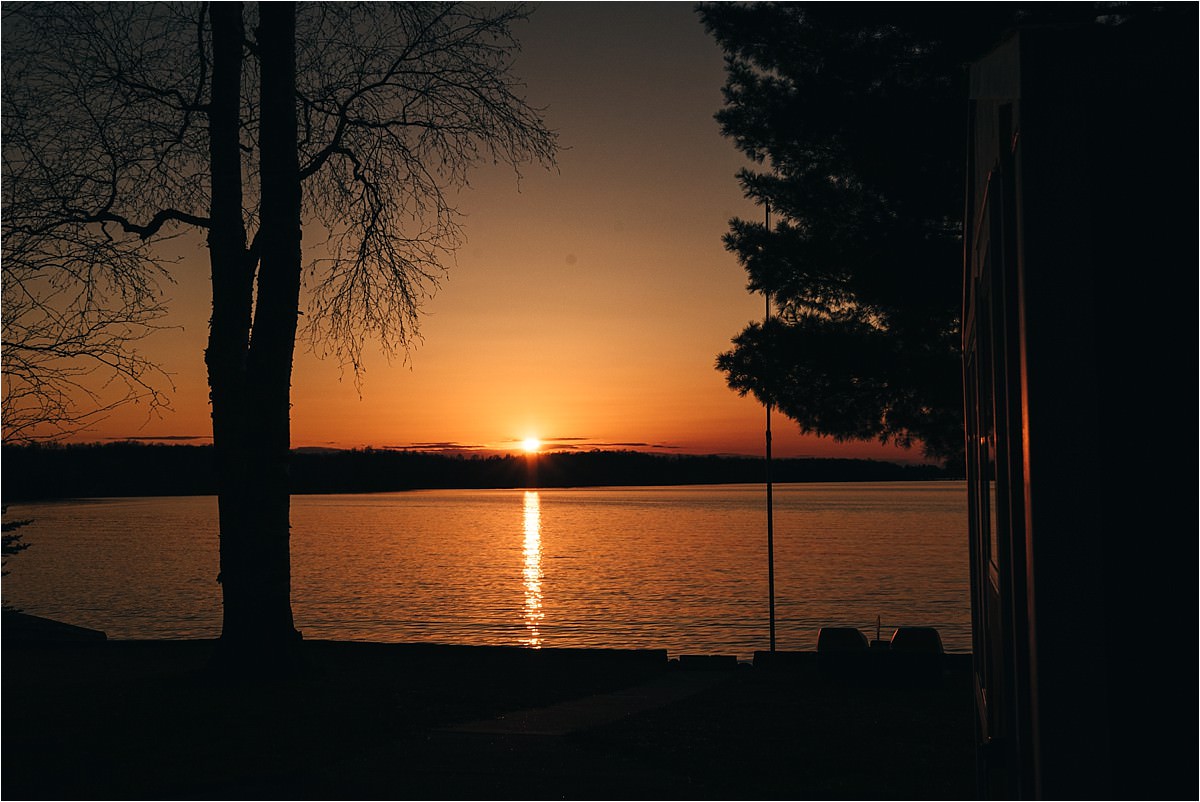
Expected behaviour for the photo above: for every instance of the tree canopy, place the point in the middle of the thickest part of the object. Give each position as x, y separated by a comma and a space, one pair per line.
855, 117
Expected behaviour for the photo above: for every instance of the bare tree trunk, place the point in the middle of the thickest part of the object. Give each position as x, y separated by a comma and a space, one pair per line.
250, 368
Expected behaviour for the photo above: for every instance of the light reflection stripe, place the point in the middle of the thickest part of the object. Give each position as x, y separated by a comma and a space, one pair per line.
533, 569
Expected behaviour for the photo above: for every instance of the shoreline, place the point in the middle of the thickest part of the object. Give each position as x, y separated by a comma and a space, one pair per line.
127, 469
142, 719
19, 500
23, 628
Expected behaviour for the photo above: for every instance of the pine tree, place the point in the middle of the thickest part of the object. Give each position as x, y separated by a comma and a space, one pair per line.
855, 116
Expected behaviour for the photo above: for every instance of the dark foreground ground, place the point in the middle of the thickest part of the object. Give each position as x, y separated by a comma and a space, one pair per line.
144, 720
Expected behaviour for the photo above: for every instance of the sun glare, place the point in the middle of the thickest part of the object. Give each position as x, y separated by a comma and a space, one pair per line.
531, 444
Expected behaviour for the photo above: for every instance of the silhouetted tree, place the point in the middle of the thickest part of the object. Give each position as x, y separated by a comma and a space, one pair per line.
856, 115
13, 543
349, 120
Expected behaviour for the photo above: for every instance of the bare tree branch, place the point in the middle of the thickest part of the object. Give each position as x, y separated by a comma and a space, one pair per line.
398, 102
106, 146
99, 139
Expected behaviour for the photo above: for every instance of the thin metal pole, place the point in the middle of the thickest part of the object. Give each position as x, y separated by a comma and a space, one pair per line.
770, 500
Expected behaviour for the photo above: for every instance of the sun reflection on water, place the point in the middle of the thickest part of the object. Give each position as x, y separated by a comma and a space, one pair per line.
533, 570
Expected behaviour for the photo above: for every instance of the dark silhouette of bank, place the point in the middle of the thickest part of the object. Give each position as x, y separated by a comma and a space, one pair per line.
133, 469
1079, 367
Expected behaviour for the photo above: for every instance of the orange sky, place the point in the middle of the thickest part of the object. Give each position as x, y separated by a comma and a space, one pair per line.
587, 304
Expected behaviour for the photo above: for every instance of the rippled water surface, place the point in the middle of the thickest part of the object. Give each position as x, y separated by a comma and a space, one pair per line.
680, 568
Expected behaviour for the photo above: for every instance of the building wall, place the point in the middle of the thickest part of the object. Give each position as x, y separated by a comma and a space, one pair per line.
1076, 234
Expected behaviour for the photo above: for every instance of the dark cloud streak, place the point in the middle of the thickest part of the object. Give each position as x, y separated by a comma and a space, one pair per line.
145, 439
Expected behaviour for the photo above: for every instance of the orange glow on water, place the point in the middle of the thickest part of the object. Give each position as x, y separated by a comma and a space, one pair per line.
533, 570
588, 568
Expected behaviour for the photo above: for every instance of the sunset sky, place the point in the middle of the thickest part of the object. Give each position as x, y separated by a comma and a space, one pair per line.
588, 304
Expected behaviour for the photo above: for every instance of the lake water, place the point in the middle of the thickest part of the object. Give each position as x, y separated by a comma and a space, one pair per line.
680, 568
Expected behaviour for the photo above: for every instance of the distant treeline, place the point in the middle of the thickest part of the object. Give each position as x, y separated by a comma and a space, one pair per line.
136, 469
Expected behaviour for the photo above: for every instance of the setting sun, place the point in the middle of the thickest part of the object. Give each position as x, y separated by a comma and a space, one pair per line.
531, 444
